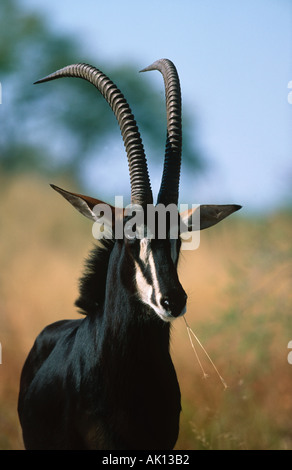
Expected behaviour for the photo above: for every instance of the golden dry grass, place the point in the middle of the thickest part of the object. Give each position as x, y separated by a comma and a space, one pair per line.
240, 304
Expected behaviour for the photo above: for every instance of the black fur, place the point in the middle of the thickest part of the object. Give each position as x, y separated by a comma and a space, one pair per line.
92, 283
105, 381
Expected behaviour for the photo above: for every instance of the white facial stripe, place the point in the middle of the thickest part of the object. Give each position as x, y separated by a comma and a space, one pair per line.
149, 294
144, 250
157, 294
144, 289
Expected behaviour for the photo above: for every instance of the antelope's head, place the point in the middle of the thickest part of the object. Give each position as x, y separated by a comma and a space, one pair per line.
149, 257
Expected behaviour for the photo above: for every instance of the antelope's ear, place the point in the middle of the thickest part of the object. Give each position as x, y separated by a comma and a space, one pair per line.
86, 204
205, 216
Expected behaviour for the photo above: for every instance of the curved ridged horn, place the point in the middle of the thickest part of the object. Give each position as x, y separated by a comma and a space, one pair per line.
171, 171
140, 184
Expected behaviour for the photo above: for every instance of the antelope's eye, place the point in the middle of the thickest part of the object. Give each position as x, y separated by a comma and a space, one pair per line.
131, 241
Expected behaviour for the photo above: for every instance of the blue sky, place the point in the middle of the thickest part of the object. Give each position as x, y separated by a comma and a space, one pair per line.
234, 59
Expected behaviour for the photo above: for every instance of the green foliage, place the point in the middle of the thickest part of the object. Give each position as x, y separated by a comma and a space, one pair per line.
59, 126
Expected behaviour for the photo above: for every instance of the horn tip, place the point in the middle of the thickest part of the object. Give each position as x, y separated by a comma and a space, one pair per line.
56, 188
44, 79
146, 69
153, 66
157, 65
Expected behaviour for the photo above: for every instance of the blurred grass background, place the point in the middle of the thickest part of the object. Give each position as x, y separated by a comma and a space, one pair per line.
240, 301
234, 66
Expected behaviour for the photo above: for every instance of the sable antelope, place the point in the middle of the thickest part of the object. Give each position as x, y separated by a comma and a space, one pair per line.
107, 381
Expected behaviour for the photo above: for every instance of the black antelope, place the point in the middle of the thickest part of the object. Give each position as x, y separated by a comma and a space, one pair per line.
107, 381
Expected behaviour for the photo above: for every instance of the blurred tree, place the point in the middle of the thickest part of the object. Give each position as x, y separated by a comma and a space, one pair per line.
60, 128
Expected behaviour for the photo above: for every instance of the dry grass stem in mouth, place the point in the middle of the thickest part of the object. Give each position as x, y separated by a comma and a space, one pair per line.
190, 331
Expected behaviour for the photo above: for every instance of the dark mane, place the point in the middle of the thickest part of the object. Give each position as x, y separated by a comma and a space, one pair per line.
92, 283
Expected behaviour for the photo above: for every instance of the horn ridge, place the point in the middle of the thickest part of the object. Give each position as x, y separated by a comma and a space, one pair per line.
141, 192
169, 188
